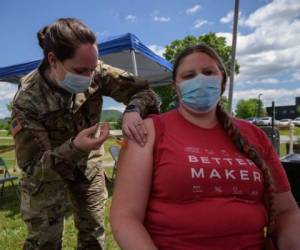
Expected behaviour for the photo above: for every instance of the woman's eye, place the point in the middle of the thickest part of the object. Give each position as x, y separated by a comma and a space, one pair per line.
188, 76
209, 72
79, 72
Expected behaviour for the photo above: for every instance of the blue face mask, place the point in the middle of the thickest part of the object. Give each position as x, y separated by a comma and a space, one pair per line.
75, 83
201, 93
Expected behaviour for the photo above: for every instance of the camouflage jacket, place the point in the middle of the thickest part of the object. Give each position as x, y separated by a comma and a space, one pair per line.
45, 119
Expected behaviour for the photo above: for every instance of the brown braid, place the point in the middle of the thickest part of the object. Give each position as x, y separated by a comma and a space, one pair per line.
241, 143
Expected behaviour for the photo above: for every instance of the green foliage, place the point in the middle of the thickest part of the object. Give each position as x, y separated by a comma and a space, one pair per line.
249, 108
110, 115
5, 123
298, 109
113, 117
167, 97
216, 42
224, 102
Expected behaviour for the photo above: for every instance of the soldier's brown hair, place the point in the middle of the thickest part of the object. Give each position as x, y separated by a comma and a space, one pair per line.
233, 131
63, 37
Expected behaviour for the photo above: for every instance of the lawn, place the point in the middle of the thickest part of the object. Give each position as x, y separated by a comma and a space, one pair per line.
13, 231
12, 228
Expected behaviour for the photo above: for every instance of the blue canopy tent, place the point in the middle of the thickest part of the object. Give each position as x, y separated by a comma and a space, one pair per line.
124, 51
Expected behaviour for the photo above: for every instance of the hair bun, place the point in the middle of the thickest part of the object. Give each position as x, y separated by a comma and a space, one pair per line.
41, 36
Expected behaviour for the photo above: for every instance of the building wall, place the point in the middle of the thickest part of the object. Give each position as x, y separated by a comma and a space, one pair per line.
282, 112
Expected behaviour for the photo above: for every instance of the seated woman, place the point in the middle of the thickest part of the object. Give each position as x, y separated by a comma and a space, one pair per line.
204, 180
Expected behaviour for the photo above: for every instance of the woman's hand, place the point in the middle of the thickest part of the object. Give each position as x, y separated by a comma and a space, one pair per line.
87, 139
133, 127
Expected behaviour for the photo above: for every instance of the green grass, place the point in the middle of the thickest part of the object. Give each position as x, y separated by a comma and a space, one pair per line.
285, 131
3, 133
12, 228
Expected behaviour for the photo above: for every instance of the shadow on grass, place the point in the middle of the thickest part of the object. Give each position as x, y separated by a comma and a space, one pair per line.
9, 201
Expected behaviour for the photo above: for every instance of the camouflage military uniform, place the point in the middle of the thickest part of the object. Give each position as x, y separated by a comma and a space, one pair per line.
45, 120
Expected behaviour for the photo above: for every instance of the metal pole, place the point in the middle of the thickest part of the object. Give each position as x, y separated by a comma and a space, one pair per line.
135, 72
258, 109
234, 35
291, 139
273, 114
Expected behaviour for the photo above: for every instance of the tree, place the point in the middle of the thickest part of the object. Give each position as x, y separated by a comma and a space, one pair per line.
249, 108
224, 102
298, 109
216, 42
167, 97
166, 93
6, 122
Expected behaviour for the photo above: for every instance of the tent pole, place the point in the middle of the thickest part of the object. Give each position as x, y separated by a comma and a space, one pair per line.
132, 52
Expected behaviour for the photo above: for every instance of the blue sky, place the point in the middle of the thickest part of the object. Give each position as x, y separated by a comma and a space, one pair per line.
267, 47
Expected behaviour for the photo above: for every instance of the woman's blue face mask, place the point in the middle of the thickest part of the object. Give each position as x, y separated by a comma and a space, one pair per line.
201, 93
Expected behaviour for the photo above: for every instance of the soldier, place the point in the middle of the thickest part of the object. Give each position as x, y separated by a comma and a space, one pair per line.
55, 115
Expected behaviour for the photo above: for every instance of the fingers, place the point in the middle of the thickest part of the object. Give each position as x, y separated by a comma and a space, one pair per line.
104, 133
137, 134
127, 132
90, 131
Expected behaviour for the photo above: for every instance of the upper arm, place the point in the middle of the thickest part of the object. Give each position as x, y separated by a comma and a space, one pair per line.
30, 136
134, 177
117, 83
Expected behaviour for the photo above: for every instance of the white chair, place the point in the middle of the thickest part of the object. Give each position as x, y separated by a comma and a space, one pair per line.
114, 151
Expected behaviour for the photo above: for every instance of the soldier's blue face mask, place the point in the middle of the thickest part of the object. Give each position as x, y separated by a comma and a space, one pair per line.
75, 83
201, 93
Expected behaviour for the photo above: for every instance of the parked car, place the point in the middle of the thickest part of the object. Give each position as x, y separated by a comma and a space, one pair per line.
252, 120
296, 121
284, 122
264, 121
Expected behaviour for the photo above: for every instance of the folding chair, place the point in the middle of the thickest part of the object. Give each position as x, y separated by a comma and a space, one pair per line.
114, 151
5, 177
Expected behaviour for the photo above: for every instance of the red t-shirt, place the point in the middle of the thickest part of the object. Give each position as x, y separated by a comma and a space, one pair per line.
205, 194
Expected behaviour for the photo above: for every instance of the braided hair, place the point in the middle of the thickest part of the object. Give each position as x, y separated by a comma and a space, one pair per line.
227, 122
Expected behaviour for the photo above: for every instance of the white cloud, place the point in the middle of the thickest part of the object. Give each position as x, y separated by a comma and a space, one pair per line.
274, 13
131, 18
102, 35
161, 19
272, 48
193, 10
296, 76
228, 18
199, 22
7, 90
120, 108
159, 50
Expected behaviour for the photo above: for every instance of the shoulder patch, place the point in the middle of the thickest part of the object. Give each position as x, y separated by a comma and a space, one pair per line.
15, 127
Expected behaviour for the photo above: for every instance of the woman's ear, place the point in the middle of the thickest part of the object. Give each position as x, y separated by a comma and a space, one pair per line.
52, 59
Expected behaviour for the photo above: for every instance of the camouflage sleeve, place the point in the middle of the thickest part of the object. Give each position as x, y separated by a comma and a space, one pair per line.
126, 88
34, 153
